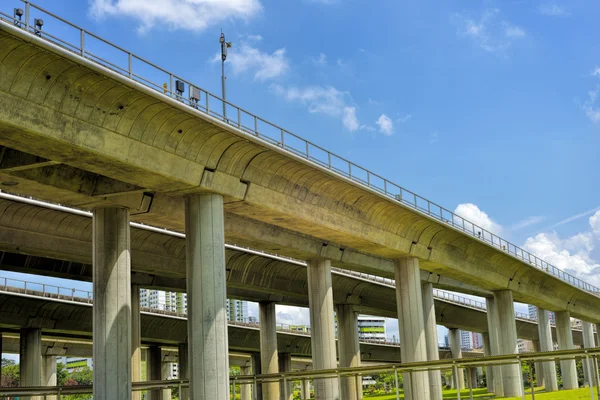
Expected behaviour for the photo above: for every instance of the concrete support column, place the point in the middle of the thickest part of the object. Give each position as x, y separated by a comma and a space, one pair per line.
268, 349
49, 377
548, 368
349, 350
493, 330
539, 367
136, 340
588, 343
489, 371
568, 368
206, 297
154, 370
166, 371
256, 368
455, 349
305, 389
507, 339
320, 299
474, 378
245, 390
30, 358
411, 325
285, 365
433, 351
183, 369
112, 304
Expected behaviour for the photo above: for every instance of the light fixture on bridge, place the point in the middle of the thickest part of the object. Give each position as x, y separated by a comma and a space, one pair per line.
179, 88
38, 22
194, 96
224, 46
18, 14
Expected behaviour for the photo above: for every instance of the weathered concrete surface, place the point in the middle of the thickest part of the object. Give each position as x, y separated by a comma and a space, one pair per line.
49, 377
320, 296
184, 369
495, 350
489, 371
286, 365
565, 342
30, 357
435, 378
548, 368
268, 349
206, 297
104, 140
455, 348
136, 340
507, 339
112, 304
349, 351
411, 326
590, 377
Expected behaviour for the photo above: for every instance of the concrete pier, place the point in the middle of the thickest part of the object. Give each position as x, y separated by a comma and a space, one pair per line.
320, 299
268, 349
256, 367
49, 377
411, 324
568, 368
154, 370
305, 389
507, 339
489, 371
183, 369
166, 394
455, 349
136, 340
206, 297
588, 343
548, 368
433, 352
245, 390
285, 365
112, 304
30, 358
349, 350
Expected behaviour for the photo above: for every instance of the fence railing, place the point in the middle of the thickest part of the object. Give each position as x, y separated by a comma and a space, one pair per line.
528, 381
135, 68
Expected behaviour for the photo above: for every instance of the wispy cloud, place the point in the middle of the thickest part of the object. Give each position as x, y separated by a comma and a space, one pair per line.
321, 60
591, 106
245, 58
433, 137
322, 100
386, 125
529, 221
404, 118
553, 10
191, 15
574, 218
489, 32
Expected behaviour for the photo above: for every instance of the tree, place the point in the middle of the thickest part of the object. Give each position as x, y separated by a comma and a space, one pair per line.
10, 373
61, 374
81, 376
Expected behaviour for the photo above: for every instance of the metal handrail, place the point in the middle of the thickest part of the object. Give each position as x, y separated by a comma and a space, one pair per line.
337, 373
309, 151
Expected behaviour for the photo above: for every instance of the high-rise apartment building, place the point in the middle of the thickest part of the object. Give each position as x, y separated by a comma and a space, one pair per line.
371, 328
237, 310
532, 311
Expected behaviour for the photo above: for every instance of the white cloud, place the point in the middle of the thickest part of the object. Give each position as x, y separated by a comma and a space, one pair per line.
292, 315
472, 213
514, 32
349, 119
386, 126
553, 10
591, 106
247, 59
191, 15
489, 31
321, 60
433, 137
322, 100
529, 221
255, 38
404, 118
574, 254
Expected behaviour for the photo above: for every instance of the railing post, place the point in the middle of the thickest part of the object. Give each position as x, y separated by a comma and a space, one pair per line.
171, 88
282, 138
130, 61
239, 118
27, 15
397, 385
455, 377
82, 42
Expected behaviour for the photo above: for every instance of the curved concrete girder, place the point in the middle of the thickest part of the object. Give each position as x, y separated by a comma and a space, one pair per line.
132, 119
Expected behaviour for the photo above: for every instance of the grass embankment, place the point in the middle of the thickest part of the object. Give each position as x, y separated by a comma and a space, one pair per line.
481, 394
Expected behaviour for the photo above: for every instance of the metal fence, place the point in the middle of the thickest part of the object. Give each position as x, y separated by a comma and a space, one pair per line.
407, 369
132, 67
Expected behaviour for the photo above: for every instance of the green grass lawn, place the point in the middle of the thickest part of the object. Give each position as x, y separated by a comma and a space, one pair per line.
448, 394
577, 394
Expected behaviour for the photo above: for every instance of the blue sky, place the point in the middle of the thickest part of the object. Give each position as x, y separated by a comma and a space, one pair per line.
489, 108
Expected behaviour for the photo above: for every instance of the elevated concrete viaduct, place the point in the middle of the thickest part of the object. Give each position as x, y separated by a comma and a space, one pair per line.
76, 132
